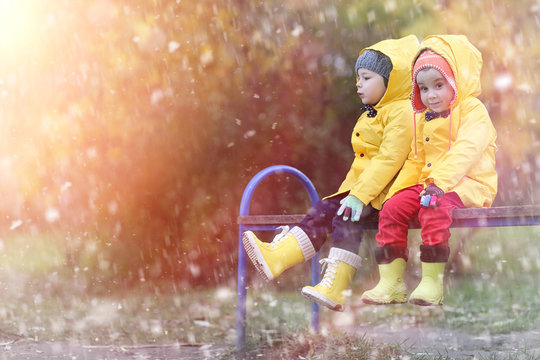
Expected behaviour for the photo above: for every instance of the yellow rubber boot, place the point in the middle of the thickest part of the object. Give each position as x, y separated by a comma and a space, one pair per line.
340, 267
288, 248
391, 289
430, 290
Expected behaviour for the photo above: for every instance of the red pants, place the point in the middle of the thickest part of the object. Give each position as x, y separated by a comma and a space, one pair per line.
398, 211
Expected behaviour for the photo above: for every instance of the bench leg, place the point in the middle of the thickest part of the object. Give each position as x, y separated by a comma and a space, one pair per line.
241, 301
315, 279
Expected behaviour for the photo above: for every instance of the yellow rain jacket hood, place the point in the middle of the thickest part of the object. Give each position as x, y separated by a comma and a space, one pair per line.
457, 153
381, 143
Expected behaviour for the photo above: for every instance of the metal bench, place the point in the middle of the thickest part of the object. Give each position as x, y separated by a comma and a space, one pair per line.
526, 215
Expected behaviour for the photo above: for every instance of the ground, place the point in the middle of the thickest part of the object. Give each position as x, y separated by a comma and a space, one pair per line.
415, 339
32, 350
429, 341
491, 311
455, 344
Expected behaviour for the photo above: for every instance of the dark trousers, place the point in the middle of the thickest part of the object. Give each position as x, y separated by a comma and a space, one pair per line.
321, 220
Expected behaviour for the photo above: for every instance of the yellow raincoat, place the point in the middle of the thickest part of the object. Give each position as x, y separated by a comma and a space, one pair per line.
381, 143
468, 167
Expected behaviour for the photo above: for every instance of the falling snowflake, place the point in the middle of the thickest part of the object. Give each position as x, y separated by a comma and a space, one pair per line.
297, 31
503, 81
249, 134
173, 46
52, 215
15, 224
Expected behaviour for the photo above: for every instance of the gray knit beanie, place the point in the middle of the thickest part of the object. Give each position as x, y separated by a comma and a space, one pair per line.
375, 61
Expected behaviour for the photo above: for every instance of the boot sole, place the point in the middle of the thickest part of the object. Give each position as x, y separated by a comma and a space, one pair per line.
374, 302
322, 300
422, 302
255, 255
399, 296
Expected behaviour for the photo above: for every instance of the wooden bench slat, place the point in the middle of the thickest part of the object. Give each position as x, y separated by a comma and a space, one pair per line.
270, 219
502, 212
498, 212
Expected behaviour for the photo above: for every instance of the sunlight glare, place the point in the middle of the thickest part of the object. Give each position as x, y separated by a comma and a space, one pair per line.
18, 25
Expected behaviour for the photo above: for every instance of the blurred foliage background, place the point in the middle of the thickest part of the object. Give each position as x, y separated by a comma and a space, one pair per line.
130, 129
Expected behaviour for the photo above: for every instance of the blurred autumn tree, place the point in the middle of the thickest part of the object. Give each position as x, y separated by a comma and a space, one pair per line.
135, 127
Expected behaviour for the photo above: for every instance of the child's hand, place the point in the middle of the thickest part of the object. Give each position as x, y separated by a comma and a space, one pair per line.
431, 196
352, 207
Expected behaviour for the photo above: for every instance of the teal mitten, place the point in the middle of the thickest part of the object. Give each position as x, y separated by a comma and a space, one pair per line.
351, 207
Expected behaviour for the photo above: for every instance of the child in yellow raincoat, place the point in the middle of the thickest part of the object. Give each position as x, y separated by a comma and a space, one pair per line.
381, 140
451, 165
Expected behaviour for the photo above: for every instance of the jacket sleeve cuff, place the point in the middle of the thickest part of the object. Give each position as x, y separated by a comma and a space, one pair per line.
360, 196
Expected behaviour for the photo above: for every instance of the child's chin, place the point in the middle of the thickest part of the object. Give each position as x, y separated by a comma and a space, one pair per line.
437, 109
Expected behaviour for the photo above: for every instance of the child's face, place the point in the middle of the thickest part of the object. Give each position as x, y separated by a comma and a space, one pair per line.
435, 91
370, 86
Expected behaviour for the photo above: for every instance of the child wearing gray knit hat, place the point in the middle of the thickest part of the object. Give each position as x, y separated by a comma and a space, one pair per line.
375, 61
381, 140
